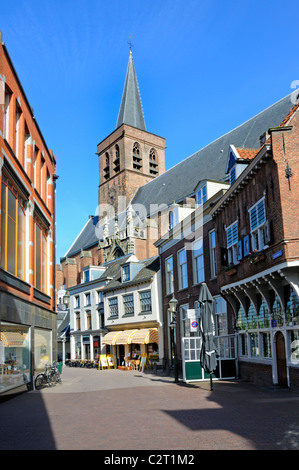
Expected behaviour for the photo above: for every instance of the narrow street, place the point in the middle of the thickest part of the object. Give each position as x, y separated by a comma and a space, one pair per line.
114, 410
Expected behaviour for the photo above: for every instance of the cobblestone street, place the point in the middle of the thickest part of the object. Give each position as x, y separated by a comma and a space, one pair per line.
129, 410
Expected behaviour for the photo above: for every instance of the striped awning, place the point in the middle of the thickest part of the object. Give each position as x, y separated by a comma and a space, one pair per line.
110, 337
125, 337
12, 339
146, 336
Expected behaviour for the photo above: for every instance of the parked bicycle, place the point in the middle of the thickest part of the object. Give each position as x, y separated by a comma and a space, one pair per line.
51, 376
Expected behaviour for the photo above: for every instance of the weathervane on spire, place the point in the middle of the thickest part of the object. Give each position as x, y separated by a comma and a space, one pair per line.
130, 44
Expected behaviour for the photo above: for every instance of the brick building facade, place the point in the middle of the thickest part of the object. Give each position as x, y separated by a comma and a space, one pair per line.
257, 230
27, 270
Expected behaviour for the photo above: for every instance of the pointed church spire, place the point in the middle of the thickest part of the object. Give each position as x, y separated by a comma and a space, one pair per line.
130, 111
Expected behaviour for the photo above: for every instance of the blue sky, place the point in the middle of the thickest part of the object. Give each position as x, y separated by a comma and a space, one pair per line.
203, 67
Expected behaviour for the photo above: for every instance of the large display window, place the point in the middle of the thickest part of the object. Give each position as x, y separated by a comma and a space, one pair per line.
14, 355
42, 348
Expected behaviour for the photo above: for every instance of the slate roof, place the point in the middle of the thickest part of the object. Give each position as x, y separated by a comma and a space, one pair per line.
181, 180
150, 267
210, 162
131, 111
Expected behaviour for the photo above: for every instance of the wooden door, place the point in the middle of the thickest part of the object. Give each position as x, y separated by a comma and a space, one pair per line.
281, 360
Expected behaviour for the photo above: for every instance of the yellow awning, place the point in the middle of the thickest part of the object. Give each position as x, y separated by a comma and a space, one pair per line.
125, 337
110, 337
12, 339
146, 336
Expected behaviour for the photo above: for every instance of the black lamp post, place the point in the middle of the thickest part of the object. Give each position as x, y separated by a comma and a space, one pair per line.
173, 309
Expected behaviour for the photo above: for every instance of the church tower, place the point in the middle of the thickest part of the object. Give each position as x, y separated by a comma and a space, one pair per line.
130, 156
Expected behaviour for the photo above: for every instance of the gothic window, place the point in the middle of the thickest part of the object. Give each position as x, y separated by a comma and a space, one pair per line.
137, 160
107, 166
116, 160
153, 162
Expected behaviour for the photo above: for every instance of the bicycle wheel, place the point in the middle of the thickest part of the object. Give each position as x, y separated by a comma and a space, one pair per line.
40, 381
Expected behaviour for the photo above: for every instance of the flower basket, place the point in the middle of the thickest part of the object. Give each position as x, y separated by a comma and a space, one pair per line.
255, 257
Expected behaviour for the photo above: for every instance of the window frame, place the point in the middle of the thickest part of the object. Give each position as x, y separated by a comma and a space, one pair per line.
232, 246
127, 299
257, 232
142, 303
182, 266
42, 284
213, 253
113, 302
169, 276
20, 214
196, 279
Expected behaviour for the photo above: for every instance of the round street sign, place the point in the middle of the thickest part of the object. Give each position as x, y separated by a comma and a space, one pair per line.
194, 325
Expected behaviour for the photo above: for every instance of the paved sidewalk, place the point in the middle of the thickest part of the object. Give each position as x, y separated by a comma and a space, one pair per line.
114, 410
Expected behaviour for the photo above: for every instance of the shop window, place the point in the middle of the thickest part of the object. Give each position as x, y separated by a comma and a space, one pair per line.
14, 355
241, 319
266, 345
40, 255
294, 346
252, 317
292, 309
277, 313
254, 344
42, 348
12, 229
243, 344
264, 317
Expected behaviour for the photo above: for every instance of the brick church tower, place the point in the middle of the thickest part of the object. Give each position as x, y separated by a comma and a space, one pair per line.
130, 156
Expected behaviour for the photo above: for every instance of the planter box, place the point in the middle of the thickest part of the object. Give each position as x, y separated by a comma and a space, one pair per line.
231, 272
124, 368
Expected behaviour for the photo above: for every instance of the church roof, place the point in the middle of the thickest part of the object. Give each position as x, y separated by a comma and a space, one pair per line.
180, 181
130, 111
210, 162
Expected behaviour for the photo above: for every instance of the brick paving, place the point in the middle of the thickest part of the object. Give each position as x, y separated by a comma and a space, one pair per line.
115, 410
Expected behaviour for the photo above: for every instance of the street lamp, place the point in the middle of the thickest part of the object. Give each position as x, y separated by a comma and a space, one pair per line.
66, 300
173, 310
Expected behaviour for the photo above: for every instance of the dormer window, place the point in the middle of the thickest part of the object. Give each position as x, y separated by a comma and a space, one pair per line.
232, 175
126, 273
201, 195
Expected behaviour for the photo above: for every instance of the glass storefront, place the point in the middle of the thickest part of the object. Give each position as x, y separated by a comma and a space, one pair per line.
42, 348
14, 356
